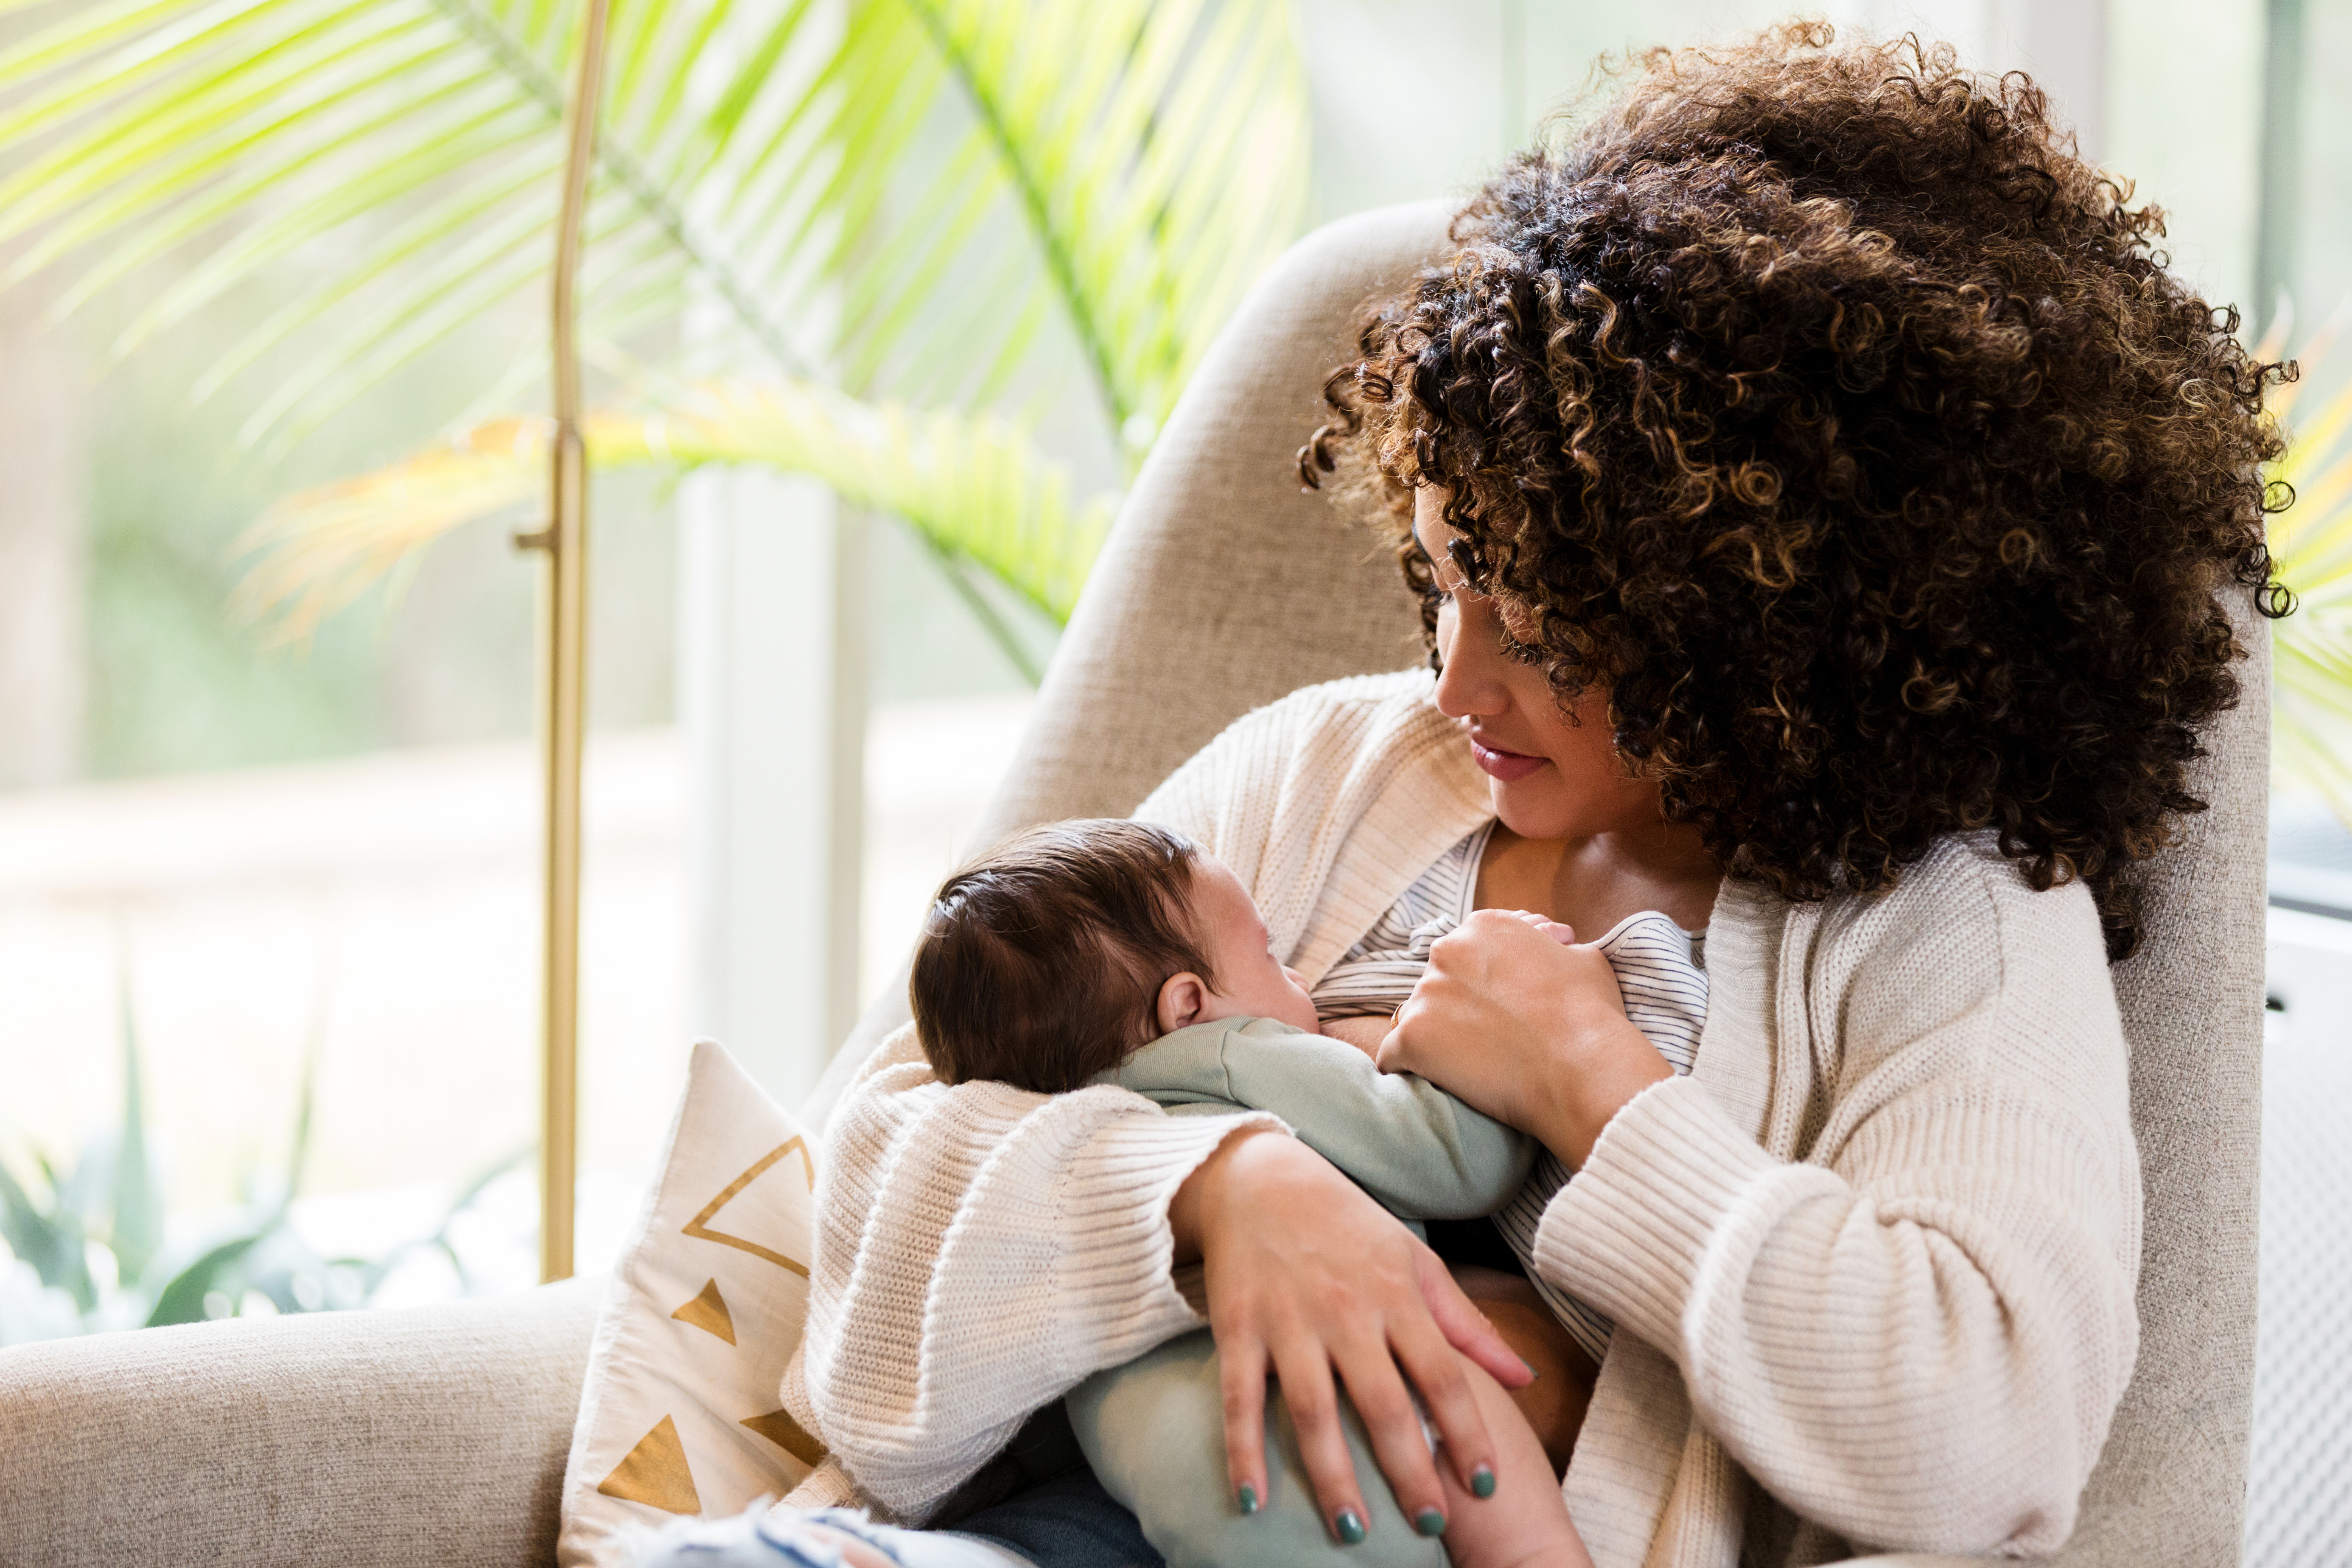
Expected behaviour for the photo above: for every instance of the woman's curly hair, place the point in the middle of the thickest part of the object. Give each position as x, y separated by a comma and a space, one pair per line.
1823, 407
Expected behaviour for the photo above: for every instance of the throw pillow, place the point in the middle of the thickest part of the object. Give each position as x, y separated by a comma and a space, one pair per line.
679, 1414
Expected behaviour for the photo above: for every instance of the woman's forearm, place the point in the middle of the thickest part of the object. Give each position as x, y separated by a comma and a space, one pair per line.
978, 1252
1919, 1343
1202, 1190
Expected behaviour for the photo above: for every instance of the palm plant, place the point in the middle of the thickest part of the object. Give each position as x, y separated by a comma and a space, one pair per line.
889, 198
2311, 723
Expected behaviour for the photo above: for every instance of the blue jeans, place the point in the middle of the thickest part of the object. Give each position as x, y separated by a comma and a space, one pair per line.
1067, 1522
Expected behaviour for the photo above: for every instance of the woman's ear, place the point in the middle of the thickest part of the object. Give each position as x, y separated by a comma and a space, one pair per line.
1182, 999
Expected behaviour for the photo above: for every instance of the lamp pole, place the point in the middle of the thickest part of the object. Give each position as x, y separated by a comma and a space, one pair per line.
562, 693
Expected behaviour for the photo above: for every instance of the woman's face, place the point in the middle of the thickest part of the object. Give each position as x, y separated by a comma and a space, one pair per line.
1553, 774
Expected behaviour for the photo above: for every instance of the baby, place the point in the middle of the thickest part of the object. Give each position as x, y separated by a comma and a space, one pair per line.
1110, 951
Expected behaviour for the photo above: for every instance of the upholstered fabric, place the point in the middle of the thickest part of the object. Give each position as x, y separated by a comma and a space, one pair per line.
439, 1435
395, 1439
2171, 1484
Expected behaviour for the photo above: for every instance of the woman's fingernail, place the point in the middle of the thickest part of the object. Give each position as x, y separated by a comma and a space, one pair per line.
1481, 1481
1248, 1498
1532, 1372
1350, 1526
1429, 1521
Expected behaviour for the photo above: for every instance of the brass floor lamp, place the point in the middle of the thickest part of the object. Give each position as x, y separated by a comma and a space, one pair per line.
564, 712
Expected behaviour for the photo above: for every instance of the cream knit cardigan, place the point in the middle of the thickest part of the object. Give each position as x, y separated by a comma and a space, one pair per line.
1871, 1263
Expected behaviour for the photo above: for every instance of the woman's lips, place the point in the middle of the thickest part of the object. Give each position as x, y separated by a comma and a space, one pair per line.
1505, 765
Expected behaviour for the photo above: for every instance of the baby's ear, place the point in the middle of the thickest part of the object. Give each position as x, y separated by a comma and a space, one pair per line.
1182, 999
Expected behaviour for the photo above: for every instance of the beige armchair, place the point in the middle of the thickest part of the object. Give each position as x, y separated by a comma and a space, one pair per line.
438, 1436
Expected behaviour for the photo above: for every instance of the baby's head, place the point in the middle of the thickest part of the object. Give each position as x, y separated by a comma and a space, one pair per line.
1059, 953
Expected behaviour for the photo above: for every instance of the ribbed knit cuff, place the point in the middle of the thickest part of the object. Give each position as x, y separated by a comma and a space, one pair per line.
1116, 1275
1674, 1195
829, 1486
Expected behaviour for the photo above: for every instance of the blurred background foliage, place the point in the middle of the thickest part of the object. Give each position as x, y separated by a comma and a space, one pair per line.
98, 1255
769, 214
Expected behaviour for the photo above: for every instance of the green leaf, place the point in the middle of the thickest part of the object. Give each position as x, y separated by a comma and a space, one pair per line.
49, 1238
220, 1269
2311, 701
136, 1230
976, 489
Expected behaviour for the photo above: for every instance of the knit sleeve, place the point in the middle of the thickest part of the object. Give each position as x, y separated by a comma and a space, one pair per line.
978, 1252
1917, 1333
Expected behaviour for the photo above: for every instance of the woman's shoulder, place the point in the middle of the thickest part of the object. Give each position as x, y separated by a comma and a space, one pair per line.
1963, 884
1964, 939
1360, 717
1363, 703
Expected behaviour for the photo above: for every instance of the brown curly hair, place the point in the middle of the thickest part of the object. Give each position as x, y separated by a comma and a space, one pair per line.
1823, 407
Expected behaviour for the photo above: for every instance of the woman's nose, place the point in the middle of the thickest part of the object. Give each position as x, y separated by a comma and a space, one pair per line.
1470, 658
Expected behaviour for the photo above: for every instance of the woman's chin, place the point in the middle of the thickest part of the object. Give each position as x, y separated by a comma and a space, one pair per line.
1529, 810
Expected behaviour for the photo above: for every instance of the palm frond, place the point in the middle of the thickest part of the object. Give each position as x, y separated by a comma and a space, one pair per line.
974, 487
2311, 701
1156, 153
264, 132
1125, 165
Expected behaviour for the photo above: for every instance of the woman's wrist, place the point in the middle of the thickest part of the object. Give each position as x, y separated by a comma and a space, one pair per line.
1584, 1099
1203, 1190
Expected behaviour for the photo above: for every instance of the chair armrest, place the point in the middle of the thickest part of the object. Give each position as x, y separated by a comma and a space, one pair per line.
422, 1434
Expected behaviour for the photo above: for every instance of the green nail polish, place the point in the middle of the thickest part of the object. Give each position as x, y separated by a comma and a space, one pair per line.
1481, 1481
1429, 1521
1350, 1528
1248, 1498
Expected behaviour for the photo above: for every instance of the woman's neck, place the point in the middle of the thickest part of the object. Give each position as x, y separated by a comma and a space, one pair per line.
1592, 882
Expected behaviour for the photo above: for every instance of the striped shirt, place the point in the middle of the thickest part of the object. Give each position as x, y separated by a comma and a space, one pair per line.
1659, 975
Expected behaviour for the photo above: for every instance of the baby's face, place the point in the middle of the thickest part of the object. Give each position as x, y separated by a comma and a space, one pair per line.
1251, 982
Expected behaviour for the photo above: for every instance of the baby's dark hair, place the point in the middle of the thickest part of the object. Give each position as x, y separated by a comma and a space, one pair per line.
1041, 962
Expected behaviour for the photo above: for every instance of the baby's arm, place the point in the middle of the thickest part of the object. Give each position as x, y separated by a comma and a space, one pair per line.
1418, 1149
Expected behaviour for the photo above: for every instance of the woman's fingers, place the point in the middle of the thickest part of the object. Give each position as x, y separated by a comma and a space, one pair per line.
1465, 1326
1313, 1401
1564, 935
1437, 1371
1241, 1368
1400, 1442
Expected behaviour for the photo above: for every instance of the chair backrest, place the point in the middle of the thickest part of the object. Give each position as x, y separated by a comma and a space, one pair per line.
1225, 585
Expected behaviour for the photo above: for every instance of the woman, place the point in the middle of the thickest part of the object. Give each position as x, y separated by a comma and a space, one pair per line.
1819, 495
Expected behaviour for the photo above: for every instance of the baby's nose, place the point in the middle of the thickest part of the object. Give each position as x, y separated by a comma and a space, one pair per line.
1293, 977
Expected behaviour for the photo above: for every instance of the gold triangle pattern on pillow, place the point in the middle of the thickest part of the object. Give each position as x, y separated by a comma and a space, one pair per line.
778, 1427
692, 1344
698, 1226
654, 1472
708, 1312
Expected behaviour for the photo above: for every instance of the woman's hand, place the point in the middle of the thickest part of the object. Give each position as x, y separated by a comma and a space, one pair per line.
1515, 1017
1308, 1278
